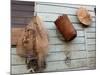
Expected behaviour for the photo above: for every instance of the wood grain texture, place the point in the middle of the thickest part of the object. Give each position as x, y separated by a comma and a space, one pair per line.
21, 14
16, 7
53, 17
91, 47
60, 48
89, 7
22, 3
57, 66
55, 9
82, 48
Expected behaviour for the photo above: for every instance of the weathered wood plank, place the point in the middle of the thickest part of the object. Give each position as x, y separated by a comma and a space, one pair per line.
62, 70
22, 3
56, 66
13, 51
92, 61
18, 25
59, 41
55, 9
91, 41
92, 54
59, 56
61, 65
20, 21
15, 59
92, 66
21, 14
50, 25
72, 47
22, 8
54, 33
91, 30
59, 48
89, 7
55, 40
53, 17
91, 35
19, 69
91, 47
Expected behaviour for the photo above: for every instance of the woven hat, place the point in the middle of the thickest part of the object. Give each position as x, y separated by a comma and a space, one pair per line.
84, 16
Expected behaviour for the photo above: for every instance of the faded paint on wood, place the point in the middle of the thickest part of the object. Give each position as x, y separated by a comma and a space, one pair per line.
91, 47
55, 9
53, 17
57, 66
22, 8
89, 7
82, 49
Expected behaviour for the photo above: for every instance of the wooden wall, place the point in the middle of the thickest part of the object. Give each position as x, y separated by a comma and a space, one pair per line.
21, 13
82, 50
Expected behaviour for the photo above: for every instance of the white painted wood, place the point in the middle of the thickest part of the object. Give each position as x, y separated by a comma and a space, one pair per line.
61, 65
92, 60
57, 65
93, 25
80, 33
92, 66
80, 48
15, 59
74, 55
59, 48
19, 69
91, 41
53, 33
91, 35
91, 47
53, 17
92, 54
59, 41
71, 47
55, 9
51, 25
89, 7
59, 56
92, 30
13, 50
